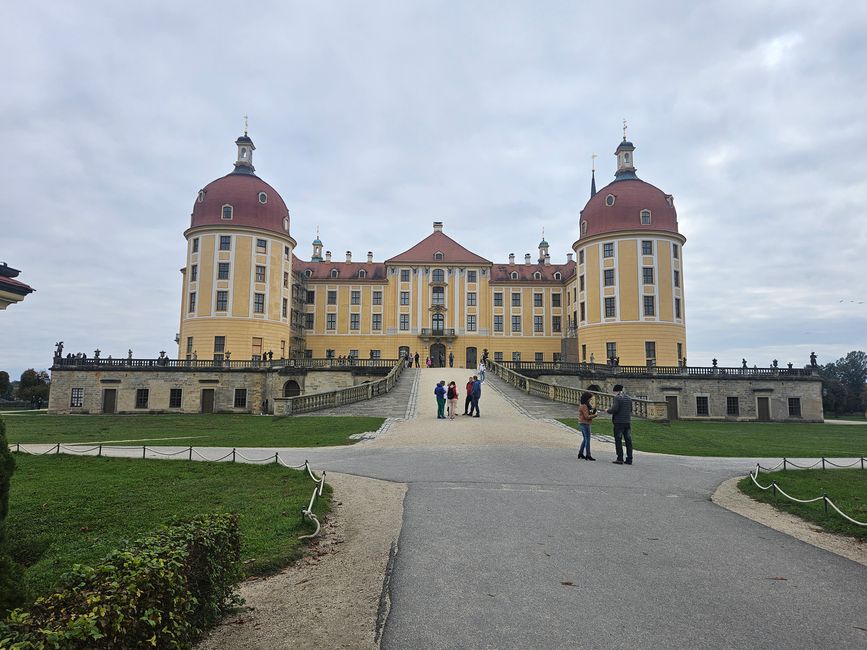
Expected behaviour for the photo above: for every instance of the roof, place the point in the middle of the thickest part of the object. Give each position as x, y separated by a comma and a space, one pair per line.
241, 191
527, 272
438, 242
15, 286
374, 271
631, 196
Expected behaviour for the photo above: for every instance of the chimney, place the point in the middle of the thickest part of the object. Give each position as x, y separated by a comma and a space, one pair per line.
527, 258
438, 226
568, 257
370, 257
348, 256
511, 258
547, 259
327, 256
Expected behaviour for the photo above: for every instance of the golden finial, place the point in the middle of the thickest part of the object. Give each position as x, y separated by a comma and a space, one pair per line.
624, 129
245, 123
593, 162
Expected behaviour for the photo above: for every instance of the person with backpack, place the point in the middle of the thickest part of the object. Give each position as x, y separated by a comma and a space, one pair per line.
440, 392
452, 397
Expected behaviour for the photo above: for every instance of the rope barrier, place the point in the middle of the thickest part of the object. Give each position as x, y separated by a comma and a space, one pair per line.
824, 498
307, 513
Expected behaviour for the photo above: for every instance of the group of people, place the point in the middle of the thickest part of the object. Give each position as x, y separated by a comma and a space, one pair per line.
621, 418
448, 396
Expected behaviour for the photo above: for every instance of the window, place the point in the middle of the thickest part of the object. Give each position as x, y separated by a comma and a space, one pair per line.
516, 324
404, 297
285, 280
609, 200
354, 321
557, 275
196, 245
676, 278
335, 273
609, 277
194, 273
583, 312
438, 275
556, 324
263, 198
192, 301
471, 298
175, 395
498, 357
355, 298
581, 283
404, 322
581, 256
329, 353
538, 324
438, 322
332, 297
404, 275
498, 323
362, 273
438, 256
537, 299
219, 344
701, 405
583, 352
611, 350
649, 306
608, 249
377, 297
76, 397
555, 300
498, 299
309, 321
260, 273
225, 242
732, 406
610, 308
514, 275
141, 398
285, 307
227, 212
674, 251
583, 227
376, 354
240, 398
331, 321
647, 274
537, 276
471, 276
223, 271
539, 357
189, 345
516, 356
376, 322
258, 303
516, 300
650, 350
646, 247
645, 217
439, 296
222, 301
286, 248
308, 273
471, 322
311, 297
677, 307
261, 245
794, 407
680, 351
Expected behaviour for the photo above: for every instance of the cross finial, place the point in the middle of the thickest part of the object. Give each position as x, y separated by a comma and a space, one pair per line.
543, 233
317, 232
245, 123
624, 129
593, 162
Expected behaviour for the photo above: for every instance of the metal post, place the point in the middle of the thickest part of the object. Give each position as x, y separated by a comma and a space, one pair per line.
58, 448
191, 452
99, 453
862, 462
233, 454
774, 488
784, 464
144, 451
823, 462
276, 458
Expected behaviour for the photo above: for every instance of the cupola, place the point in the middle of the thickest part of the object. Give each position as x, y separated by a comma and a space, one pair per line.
244, 162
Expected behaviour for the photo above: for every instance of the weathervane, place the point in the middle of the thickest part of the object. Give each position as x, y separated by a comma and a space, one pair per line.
624, 129
593, 162
245, 124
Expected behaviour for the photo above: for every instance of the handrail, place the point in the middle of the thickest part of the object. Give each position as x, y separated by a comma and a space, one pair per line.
641, 408
577, 368
163, 363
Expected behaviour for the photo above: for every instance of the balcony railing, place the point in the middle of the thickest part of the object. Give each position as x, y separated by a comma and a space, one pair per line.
438, 331
658, 371
164, 363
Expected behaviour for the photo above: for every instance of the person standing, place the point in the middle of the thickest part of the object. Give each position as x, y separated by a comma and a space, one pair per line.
452, 397
468, 403
477, 394
451, 359
416, 359
586, 413
482, 370
621, 418
440, 392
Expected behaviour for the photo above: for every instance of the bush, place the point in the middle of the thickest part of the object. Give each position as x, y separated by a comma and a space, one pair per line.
9, 571
163, 591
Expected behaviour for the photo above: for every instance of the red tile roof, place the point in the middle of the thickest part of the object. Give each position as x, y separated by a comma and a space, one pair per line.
374, 272
502, 273
14, 286
438, 242
241, 191
630, 198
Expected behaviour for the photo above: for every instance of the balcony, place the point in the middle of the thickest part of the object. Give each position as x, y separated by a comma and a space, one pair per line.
437, 333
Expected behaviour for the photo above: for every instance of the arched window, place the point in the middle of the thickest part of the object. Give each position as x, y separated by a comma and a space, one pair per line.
514, 275
227, 212
438, 322
537, 276
438, 275
201, 196
334, 273
645, 217
263, 198
243, 153
308, 272
609, 200
362, 273
438, 256
557, 275
583, 227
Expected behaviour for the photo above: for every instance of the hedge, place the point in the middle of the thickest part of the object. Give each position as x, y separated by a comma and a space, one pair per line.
9, 571
162, 591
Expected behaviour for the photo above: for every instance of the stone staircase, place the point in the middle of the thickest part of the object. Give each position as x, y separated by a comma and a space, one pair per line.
531, 405
399, 402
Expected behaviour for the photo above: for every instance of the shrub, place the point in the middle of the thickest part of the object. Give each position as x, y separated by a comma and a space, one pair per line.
163, 591
9, 571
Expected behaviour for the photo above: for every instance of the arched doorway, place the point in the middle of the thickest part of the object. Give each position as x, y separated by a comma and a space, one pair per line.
438, 355
291, 389
472, 360
403, 352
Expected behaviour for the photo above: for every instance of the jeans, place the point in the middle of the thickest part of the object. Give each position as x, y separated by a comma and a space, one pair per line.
585, 444
474, 407
468, 404
441, 405
623, 432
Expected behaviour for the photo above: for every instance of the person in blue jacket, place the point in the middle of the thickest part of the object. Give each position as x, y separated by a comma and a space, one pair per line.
440, 392
477, 393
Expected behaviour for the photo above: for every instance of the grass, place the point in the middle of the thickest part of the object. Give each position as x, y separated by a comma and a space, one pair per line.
70, 509
847, 488
189, 430
742, 439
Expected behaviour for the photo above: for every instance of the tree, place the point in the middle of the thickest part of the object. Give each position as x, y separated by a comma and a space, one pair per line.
9, 571
34, 384
5, 385
843, 383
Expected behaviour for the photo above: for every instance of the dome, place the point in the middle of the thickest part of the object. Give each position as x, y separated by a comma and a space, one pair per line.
620, 204
254, 204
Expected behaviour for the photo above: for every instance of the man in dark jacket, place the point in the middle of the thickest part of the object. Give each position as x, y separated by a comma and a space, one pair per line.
477, 393
621, 418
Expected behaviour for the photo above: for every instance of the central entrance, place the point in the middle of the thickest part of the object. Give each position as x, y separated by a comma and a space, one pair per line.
472, 361
438, 355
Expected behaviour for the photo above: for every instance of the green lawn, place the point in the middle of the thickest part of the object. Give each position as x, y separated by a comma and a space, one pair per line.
72, 509
847, 488
189, 430
744, 439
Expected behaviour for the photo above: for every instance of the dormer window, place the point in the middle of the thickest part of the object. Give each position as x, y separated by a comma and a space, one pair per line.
308, 273
201, 196
438, 256
537, 276
583, 227
514, 275
335, 273
227, 212
609, 200
362, 273
645, 217
557, 275
263, 198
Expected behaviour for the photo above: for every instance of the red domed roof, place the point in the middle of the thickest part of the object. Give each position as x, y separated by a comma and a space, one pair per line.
241, 191
631, 196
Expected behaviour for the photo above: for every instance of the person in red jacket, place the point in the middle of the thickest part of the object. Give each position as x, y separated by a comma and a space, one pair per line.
469, 401
452, 398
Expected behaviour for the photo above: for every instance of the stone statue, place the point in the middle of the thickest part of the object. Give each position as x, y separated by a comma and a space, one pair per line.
744, 363
228, 356
270, 355
96, 353
58, 352
592, 358
129, 355
812, 356
790, 365
775, 363
714, 362
195, 355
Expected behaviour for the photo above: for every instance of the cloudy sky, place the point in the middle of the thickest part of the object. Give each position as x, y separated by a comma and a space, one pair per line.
374, 119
